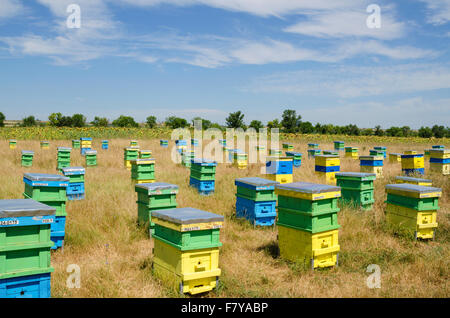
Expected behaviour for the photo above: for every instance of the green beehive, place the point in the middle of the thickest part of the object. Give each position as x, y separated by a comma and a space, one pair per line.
203, 168
374, 152
357, 188
145, 154
275, 152
313, 222
186, 158
131, 153
91, 158
63, 157
331, 152
288, 146
154, 196
25, 238
76, 144
12, 143
143, 170
75, 174
421, 199
27, 158
319, 206
256, 189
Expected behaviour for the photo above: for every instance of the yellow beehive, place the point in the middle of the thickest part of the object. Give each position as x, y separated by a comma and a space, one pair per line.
281, 178
413, 163
440, 153
410, 152
318, 250
326, 177
440, 168
395, 157
378, 170
327, 161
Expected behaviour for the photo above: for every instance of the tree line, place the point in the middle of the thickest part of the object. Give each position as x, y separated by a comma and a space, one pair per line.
290, 122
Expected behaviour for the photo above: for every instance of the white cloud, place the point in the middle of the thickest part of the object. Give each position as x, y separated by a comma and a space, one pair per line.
10, 8
438, 11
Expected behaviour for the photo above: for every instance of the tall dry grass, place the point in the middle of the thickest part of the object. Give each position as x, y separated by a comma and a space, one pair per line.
115, 255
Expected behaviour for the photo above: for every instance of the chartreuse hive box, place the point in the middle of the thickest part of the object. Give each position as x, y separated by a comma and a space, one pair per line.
45, 144
357, 188
143, 170
413, 208
339, 145
288, 146
313, 152
395, 157
145, 154
27, 158
413, 163
154, 196
280, 169
91, 158
76, 188
134, 143
371, 164
326, 167
440, 161
256, 200
76, 144
351, 152
307, 223
382, 149
296, 158
313, 146
416, 181
130, 153
63, 157
186, 249
25, 244
164, 143
275, 152
12, 144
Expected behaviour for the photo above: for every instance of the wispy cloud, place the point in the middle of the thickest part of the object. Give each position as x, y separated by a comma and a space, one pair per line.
438, 11
10, 8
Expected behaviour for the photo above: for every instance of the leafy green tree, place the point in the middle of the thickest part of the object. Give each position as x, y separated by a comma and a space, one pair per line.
125, 121
256, 124
78, 120
176, 122
378, 131
274, 124
2, 119
54, 119
100, 122
29, 121
406, 131
425, 132
306, 127
151, 121
235, 120
367, 132
290, 121
394, 132
438, 131
206, 124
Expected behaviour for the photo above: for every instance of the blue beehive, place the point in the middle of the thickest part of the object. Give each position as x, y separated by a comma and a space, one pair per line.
255, 200
274, 165
203, 175
86, 145
297, 161
75, 189
105, 144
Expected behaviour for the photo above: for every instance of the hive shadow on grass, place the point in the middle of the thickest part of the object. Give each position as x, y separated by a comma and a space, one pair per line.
270, 249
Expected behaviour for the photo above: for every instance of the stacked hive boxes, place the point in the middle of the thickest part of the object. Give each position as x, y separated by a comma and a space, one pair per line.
357, 188
86, 144
130, 153
326, 167
186, 158
194, 142
288, 146
307, 223
382, 149
76, 144
426, 154
413, 208
186, 249
256, 200
203, 175
351, 152
143, 170
331, 152
260, 148
413, 163
145, 154
154, 196
296, 158
339, 146
181, 145
313, 146
240, 159
49, 189
275, 152
280, 169
164, 143
27, 158
25, 244
416, 181
45, 144
63, 157
134, 143
438, 147
395, 157
371, 164
12, 144
377, 153
75, 189
231, 153
105, 144
91, 158
440, 161
313, 152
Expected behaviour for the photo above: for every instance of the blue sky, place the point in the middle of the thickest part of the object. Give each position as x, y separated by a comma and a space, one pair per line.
210, 57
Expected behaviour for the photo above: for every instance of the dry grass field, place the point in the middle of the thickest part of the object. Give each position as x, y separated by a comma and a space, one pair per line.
115, 255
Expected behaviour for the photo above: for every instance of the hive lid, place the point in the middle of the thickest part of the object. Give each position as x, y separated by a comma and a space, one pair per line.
72, 169
407, 187
293, 153
147, 160
90, 152
44, 141
163, 140
104, 140
339, 141
64, 148
206, 162
27, 152
13, 140
439, 150
24, 207
85, 138
313, 144
187, 216
45, 177
277, 158
145, 151
132, 148
255, 181
371, 158
157, 186
380, 148
412, 179
307, 187
327, 156
395, 153
355, 174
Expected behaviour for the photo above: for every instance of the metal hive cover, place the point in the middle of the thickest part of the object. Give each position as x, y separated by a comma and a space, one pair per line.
187, 216
258, 182
412, 179
203, 161
90, 152
152, 160
155, 186
371, 158
277, 158
439, 150
45, 177
64, 148
355, 174
293, 153
145, 151
73, 169
412, 188
24, 207
395, 153
27, 152
327, 156
307, 187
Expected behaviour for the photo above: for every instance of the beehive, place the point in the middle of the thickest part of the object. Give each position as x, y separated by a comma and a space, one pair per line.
440, 161
145, 154
256, 200
416, 181
288, 146
12, 144
75, 189
377, 153
130, 153
223, 142
275, 152
371, 164
27, 158
105, 144
280, 169
413, 164
326, 167
45, 144
186, 157
203, 175
339, 145
134, 143
85, 144
307, 223
181, 145
63, 157
240, 160
313, 146
413, 208
164, 143
143, 170
351, 152
395, 157
25, 244
194, 142
154, 196
357, 188
382, 149
296, 158
49, 189
438, 147
186, 249
76, 144
91, 158
331, 152
313, 152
